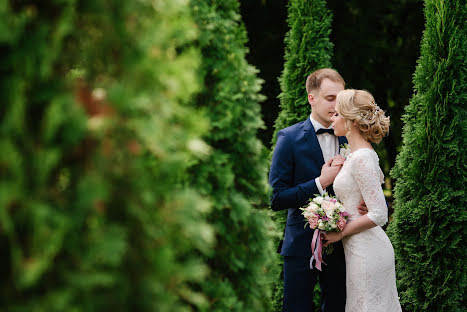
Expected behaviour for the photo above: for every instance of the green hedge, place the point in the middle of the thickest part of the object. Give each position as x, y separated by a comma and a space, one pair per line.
234, 175
95, 133
428, 231
307, 48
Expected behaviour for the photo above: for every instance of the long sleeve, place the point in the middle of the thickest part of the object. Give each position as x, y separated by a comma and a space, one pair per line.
285, 194
368, 176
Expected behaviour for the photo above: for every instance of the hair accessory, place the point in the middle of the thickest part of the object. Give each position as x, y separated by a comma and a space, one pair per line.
374, 110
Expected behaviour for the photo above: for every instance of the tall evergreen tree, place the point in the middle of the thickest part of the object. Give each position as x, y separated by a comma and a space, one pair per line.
428, 231
307, 48
234, 175
95, 133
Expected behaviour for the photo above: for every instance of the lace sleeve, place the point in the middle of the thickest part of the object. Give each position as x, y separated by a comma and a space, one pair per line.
367, 174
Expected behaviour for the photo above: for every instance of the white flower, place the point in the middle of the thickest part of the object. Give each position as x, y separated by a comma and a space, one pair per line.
339, 206
329, 212
318, 200
333, 224
321, 225
313, 207
345, 150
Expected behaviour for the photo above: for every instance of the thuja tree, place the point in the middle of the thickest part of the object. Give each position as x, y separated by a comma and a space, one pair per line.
234, 175
428, 231
307, 48
95, 134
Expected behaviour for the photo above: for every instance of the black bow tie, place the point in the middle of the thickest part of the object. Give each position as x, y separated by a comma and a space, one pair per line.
322, 130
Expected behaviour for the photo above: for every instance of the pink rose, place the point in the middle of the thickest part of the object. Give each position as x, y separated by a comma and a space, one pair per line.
328, 208
313, 221
341, 223
327, 205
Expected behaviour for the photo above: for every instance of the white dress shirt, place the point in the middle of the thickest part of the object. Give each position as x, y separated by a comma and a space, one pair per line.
329, 145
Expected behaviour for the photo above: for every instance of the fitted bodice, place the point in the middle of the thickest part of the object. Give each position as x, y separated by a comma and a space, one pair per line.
361, 178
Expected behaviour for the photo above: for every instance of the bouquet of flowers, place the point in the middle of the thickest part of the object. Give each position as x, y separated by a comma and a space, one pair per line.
323, 213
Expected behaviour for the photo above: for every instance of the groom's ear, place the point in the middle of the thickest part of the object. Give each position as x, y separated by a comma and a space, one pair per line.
311, 99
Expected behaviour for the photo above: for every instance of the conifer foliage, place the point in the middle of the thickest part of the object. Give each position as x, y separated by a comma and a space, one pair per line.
307, 48
234, 175
95, 134
428, 231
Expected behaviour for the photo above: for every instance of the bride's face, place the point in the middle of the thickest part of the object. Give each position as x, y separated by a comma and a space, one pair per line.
338, 123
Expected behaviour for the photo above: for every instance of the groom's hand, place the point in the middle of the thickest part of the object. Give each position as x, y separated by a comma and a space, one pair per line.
328, 173
337, 160
362, 209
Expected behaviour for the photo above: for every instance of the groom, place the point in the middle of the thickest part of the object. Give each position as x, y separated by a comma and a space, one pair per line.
302, 166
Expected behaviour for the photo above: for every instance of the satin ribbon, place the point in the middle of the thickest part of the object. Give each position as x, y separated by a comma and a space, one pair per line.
317, 249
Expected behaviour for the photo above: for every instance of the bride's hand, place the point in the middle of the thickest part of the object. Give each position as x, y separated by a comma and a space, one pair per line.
332, 237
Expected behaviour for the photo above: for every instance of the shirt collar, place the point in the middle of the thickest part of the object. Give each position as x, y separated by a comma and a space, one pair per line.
317, 125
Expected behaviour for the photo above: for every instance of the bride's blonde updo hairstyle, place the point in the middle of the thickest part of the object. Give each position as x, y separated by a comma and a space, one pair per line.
359, 107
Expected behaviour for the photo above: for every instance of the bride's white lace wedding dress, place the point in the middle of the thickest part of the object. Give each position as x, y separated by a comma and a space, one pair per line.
369, 256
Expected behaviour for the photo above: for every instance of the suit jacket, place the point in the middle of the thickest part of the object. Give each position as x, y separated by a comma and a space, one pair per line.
296, 162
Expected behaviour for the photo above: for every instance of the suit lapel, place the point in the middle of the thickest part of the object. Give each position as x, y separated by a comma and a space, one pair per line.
342, 140
312, 140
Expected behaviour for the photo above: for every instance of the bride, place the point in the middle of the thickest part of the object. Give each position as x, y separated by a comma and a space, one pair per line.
369, 256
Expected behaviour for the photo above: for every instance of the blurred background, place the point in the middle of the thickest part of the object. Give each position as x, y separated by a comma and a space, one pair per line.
135, 143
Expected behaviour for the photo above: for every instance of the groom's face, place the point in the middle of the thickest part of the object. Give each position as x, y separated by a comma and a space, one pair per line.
323, 101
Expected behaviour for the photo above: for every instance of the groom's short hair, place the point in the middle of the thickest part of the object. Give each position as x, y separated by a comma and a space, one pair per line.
315, 79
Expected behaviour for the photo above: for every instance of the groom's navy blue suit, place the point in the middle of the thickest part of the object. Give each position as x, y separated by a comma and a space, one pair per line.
296, 162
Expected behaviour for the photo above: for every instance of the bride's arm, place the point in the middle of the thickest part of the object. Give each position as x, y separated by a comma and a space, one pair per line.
367, 176
356, 226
